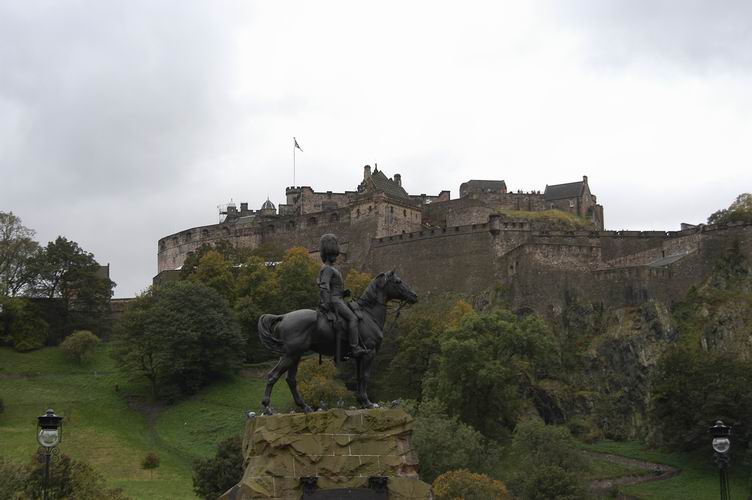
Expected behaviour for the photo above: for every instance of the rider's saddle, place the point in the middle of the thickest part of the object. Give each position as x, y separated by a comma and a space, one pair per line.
330, 319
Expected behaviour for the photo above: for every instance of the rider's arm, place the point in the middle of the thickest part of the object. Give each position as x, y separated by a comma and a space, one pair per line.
325, 293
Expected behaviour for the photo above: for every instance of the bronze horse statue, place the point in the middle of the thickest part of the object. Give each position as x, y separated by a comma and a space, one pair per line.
293, 334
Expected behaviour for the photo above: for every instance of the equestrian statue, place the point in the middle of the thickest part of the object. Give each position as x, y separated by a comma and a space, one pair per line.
339, 328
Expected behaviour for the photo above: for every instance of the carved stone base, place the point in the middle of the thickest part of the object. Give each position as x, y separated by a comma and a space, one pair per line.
361, 453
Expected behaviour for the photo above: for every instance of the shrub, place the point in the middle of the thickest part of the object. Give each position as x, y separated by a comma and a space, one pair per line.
150, 462
23, 328
213, 476
551, 482
466, 485
72, 479
80, 345
317, 382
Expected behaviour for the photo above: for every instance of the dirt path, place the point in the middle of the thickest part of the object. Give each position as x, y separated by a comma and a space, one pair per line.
658, 472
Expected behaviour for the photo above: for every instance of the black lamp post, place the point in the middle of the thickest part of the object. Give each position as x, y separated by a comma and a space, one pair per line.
721, 446
49, 435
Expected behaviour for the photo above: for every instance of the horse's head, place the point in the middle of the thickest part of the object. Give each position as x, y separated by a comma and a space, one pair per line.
396, 289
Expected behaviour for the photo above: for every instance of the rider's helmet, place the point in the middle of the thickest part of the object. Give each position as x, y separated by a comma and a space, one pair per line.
328, 247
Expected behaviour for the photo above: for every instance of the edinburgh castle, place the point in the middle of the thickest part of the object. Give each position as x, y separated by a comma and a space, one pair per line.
532, 247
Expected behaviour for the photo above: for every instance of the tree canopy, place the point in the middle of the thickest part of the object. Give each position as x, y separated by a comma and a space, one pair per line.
739, 211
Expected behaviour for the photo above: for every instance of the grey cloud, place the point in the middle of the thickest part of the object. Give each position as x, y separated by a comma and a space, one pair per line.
699, 34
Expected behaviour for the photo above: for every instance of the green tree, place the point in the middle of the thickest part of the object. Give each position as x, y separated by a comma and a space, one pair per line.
182, 333
297, 274
444, 443
66, 272
17, 247
465, 485
357, 282
215, 272
317, 382
258, 293
486, 363
150, 463
72, 479
548, 463
214, 476
80, 345
21, 326
739, 211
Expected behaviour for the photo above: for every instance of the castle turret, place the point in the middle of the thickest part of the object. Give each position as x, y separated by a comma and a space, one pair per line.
366, 172
398, 179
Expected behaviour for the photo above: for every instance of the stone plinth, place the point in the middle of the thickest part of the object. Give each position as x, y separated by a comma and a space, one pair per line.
342, 448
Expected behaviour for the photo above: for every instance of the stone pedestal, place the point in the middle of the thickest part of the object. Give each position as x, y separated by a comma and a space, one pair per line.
342, 449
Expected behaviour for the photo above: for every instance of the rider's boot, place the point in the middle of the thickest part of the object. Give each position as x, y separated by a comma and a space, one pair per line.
356, 350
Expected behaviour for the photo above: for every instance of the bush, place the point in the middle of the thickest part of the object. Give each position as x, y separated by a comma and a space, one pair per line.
80, 345
553, 483
150, 462
212, 477
444, 443
22, 326
317, 382
466, 485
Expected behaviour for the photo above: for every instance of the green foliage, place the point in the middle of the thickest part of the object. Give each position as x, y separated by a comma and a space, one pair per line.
150, 461
549, 466
70, 479
465, 485
212, 477
357, 282
557, 218
444, 443
80, 345
258, 293
21, 325
297, 275
486, 363
17, 247
215, 272
183, 333
317, 382
692, 389
739, 211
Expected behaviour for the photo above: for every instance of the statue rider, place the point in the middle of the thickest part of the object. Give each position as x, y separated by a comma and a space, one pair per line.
332, 292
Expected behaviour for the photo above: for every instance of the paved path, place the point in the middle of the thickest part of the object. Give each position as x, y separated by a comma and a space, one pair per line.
658, 472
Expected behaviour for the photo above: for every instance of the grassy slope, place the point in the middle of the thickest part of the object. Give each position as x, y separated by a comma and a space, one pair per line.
100, 427
698, 479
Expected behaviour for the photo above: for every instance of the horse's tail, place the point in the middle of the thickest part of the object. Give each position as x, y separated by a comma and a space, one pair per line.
266, 325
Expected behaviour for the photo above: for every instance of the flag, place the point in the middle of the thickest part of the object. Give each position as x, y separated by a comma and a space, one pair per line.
296, 144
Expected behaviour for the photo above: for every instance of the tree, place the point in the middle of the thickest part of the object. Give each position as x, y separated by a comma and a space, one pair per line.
486, 363
65, 271
739, 211
72, 479
17, 247
214, 476
258, 293
317, 382
182, 333
444, 443
466, 485
297, 274
215, 272
21, 326
549, 465
80, 345
357, 282
150, 462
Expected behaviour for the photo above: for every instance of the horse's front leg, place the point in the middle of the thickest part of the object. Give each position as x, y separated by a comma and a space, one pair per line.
364, 371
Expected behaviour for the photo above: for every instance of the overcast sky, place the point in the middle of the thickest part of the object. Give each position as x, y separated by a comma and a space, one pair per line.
122, 122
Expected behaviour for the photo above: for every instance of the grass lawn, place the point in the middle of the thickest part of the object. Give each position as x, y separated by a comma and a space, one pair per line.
601, 469
103, 430
698, 478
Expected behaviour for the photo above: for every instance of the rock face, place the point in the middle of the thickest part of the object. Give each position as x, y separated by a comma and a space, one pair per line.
342, 448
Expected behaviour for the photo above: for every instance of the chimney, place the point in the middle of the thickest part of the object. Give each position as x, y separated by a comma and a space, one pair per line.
366, 172
584, 179
244, 207
398, 179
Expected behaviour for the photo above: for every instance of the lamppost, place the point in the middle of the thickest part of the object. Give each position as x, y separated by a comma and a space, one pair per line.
49, 435
721, 446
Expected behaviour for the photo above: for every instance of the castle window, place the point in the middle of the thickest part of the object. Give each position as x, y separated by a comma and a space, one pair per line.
291, 224
357, 214
187, 237
175, 240
391, 210
404, 213
312, 221
370, 209
204, 233
226, 231
270, 228
334, 217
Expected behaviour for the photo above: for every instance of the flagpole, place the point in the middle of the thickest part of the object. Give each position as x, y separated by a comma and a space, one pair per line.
293, 162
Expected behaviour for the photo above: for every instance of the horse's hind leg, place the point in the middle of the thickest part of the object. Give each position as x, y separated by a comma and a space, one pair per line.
282, 366
292, 383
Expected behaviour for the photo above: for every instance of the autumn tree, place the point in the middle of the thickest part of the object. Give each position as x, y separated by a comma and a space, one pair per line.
215, 271
357, 282
297, 275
